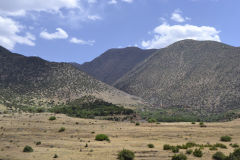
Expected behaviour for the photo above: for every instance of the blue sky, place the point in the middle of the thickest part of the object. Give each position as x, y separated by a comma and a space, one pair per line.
80, 30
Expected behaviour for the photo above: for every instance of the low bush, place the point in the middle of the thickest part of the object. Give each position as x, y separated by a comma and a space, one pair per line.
38, 143
219, 156
226, 138
150, 146
201, 124
137, 124
27, 149
52, 118
235, 145
55, 156
175, 149
180, 156
189, 151
197, 153
220, 145
213, 148
126, 155
62, 129
167, 147
101, 137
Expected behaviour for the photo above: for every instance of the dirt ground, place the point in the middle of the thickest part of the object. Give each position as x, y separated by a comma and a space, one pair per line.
18, 130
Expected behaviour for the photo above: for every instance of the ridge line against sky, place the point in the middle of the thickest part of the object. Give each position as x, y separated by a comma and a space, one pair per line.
80, 30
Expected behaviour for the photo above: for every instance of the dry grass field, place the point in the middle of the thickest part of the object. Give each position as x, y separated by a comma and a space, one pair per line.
18, 130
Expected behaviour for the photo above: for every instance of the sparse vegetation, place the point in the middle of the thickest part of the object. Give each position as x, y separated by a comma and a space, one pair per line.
27, 149
38, 143
167, 147
126, 155
102, 137
175, 149
226, 138
197, 153
235, 145
137, 124
55, 156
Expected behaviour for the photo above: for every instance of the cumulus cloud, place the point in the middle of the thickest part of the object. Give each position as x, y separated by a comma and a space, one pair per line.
60, 34
82, 42
10, 34
166, 34
19, 7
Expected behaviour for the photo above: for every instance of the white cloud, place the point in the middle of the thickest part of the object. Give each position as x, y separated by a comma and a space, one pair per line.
166, 34
112, 2
9, 34
94, 17
128, 1
19, 7
177, 17
82, 42
60, 34
92, 1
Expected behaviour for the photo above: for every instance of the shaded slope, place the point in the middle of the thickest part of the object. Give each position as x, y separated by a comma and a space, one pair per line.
34, 81
114, 63
201, 75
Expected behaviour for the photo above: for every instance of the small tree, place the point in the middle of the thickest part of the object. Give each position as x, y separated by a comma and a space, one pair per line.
52, 118
150, 146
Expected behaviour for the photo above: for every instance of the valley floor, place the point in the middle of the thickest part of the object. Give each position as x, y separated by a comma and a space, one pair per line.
18, 130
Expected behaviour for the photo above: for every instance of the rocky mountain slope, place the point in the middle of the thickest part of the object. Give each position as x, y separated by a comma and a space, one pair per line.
201, 75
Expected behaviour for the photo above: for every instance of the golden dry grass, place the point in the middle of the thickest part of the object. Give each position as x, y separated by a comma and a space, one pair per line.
19, 130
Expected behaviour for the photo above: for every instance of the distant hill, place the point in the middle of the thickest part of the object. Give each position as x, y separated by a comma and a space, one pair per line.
198, 75
114, 63
33, 81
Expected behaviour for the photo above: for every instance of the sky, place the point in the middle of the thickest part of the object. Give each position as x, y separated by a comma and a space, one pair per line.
80, 30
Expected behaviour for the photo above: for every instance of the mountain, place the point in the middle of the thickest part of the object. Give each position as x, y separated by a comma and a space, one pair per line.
33, 81
198, 75
114, 63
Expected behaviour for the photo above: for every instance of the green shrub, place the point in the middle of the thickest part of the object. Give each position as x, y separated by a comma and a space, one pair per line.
190, 144
179, 157
226, 138
189, 151
86, 145
197, 153
150, 146
101, 137
235, 145
137, 124
175, 149
126, 155
193, 122
167, 147
52, 118
62, 129
151, 120
27, 149
219, 156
